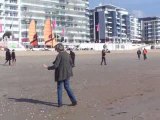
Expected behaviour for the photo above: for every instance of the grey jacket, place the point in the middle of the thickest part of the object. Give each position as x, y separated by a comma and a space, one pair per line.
63, 66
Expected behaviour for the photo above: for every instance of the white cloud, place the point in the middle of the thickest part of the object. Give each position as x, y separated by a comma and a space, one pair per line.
138, 13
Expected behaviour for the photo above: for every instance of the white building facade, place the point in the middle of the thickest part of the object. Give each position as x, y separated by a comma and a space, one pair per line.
71, 18
135, 29
150, 29
10, 17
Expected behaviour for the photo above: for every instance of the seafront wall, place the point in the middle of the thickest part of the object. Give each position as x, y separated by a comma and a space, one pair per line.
81, 46
109, 46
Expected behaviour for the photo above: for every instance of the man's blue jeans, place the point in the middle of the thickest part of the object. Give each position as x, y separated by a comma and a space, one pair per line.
67, 88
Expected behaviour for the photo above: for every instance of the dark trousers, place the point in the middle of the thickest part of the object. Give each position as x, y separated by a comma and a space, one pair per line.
13, 61
144, 56
73, 60
103, 60
8, 61
139, 56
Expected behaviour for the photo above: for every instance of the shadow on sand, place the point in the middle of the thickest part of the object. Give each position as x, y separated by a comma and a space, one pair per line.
33, 101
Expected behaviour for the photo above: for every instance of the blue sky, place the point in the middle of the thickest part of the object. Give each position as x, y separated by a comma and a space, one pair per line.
141, 8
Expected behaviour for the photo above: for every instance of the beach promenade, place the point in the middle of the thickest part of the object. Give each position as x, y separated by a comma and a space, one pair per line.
125, 89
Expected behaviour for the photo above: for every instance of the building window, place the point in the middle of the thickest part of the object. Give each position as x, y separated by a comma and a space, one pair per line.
62, 1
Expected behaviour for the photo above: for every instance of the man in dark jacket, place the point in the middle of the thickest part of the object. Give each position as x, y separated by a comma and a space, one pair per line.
8, 57
139, 53
103, 57
63, 71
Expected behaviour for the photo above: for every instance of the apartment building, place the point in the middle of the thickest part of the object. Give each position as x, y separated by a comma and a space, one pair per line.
150, 29
71, 18
135, 33
114, 24
10, 17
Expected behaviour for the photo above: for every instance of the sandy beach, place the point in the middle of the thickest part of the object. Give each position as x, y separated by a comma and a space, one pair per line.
125, 89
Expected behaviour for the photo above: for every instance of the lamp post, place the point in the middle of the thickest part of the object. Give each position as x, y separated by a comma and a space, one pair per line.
155, 41
4, 15
27, 20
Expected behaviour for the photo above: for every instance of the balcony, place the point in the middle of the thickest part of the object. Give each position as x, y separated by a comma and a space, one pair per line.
11, 3
108, 21
118, 23
123, 24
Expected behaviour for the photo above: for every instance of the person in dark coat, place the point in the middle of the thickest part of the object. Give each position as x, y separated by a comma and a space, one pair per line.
72, 54
63, 71
13, 56
139, 54
103, 57
8, 57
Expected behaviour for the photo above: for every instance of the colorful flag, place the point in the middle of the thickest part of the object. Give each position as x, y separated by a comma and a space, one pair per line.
62, 33
97, 27
54, 24
0, 27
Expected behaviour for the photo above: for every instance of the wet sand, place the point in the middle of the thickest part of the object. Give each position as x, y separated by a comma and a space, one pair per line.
125, 89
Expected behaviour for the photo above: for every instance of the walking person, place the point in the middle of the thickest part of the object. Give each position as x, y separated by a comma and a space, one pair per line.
72, 54
8, 57
145, 54
63, 71
103, 57
13, 56
139, 54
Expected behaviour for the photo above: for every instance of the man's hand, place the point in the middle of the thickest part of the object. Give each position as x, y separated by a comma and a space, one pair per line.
45, 66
